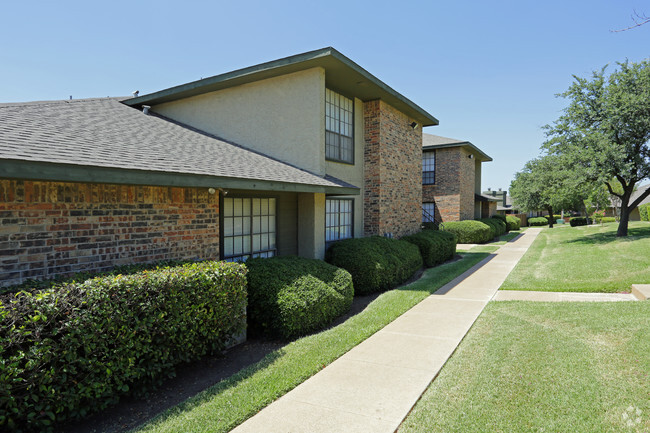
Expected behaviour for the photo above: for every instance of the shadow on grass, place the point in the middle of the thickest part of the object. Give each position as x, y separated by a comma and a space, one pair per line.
634, 233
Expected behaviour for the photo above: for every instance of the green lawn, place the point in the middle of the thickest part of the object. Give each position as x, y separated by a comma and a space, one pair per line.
584, 259
230, 402
545, 367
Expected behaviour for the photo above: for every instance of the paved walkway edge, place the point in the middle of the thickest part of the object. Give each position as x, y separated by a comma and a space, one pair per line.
373, 387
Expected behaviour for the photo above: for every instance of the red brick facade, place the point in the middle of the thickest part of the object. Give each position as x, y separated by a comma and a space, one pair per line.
51, 228
454, 188
392, 167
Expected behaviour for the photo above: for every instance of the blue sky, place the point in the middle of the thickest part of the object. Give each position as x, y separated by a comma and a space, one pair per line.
489, 71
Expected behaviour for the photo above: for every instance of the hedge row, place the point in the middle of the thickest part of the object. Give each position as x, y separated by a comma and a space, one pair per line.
376, 263
579, 221
537, 221
513, 222
497, 226
604, 220
644, 211
469, 231
77, 349
435, 246
292, 296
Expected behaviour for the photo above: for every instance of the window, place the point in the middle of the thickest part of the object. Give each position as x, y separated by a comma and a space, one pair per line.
428, 212
338, 219
248, 228
339, 137
429, 168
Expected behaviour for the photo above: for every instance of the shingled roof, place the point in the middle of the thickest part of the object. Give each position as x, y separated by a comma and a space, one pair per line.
431, 142
103, 140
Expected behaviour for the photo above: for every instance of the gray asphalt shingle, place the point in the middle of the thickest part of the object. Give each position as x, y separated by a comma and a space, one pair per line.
106, 133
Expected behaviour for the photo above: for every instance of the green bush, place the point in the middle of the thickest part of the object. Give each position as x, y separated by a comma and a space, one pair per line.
68, 352
499, 217
601, 219
435, 246
376, 263
537, 221
644, 212
469, 231
579, 221
430, 226
292, 296
59, 281
498, 226
513, 222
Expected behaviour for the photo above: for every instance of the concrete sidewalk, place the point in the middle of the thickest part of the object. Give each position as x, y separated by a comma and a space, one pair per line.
374, 386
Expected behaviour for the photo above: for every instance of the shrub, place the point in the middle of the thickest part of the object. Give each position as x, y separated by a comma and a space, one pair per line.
498, 226
513, 222
75, 350
607, 220
579, 221
291, 296
500, 217
376, 263
435, 246
469, 231
538, 221
430, 226
644, 212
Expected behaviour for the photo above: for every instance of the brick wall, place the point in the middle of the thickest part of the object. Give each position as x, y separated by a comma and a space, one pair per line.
52, 228
392, 167
467, 185
453, 191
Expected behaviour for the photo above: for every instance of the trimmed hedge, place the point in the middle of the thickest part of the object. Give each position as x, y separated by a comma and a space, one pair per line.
68, 352
579, 221
292, 296
599, 220
469, 231
376, 263
500, 217
435, 246
513, 222
498, 227
644, 212
538, 221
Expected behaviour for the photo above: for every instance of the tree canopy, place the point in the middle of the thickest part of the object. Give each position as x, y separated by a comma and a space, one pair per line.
605, 129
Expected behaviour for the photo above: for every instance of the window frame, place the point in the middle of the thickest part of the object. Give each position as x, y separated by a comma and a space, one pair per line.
433, 180
351, 201
222, 236
433, 214
338, 134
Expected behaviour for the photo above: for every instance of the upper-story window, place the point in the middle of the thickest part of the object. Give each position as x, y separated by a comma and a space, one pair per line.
429, 168
339, 131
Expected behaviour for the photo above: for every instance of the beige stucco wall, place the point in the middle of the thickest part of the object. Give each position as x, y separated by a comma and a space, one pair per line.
283, 117
353, 173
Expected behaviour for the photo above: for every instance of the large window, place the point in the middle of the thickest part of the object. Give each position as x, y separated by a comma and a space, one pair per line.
428, 212
248, 228
338, 219
428, 168
339, 136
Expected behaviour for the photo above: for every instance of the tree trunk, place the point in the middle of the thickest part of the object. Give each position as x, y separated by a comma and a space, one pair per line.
550, 217
625, 210
622, 224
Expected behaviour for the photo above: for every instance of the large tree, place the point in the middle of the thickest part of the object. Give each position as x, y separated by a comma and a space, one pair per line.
605, 131
547, 183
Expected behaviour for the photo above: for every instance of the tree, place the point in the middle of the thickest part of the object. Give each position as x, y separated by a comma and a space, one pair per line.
605, 131
546, 183
638, 19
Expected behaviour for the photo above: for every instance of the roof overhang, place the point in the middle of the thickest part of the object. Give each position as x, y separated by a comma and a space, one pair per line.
480, 155
46, 171
481, 197
341, 74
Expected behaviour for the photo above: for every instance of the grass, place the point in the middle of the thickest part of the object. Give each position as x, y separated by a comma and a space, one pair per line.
544, 367
232, 401
584, 259
493, 246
